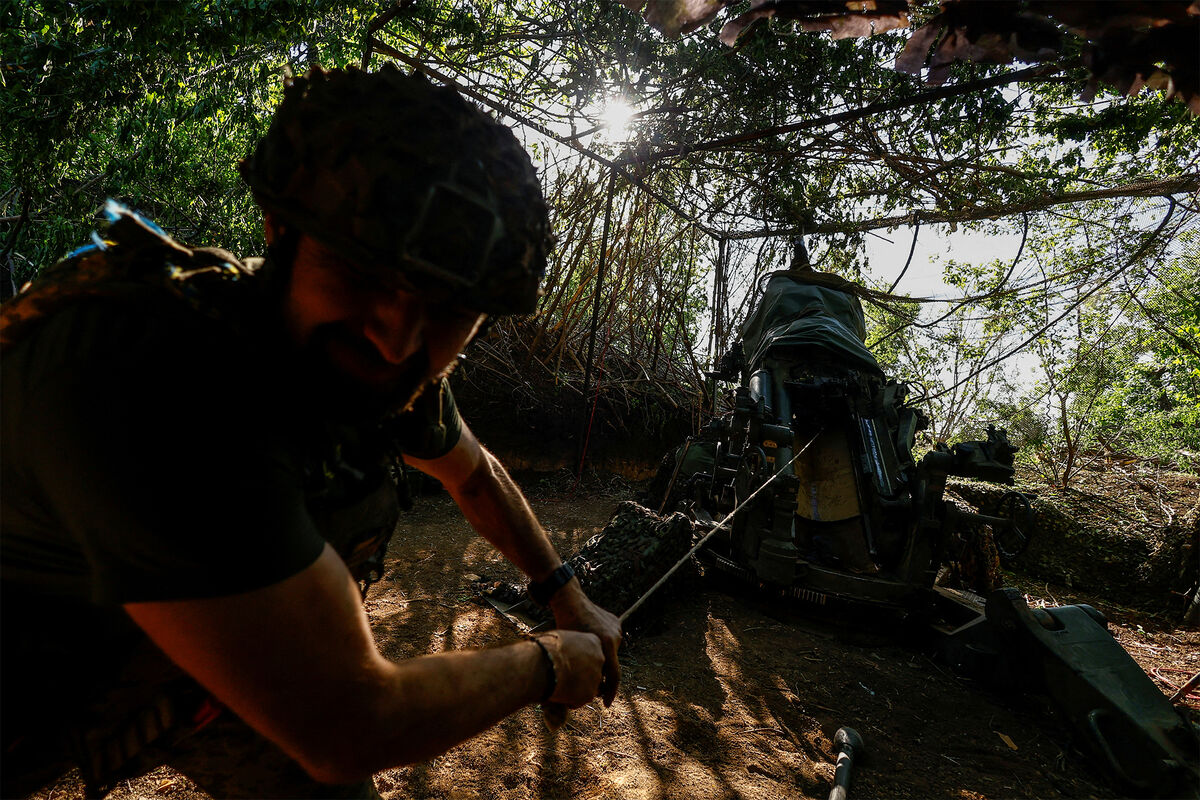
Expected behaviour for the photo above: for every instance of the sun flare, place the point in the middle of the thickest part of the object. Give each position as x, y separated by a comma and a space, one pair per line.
615, 117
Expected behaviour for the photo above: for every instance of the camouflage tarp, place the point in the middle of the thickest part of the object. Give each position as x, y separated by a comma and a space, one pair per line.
809, 321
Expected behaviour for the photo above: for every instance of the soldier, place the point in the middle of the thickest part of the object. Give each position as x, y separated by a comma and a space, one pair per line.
197, 455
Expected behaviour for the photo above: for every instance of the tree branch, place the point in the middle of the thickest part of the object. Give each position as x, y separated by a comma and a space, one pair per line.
1145, 246
849, 116
1166, 187
618, 167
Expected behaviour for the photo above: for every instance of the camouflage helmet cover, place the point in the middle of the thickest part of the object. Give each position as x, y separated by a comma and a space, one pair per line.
410, 182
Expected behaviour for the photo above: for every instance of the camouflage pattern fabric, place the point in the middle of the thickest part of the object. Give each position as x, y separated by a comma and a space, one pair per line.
635, 549
618, 565
134, 254
145, 719
410, 182
971, 560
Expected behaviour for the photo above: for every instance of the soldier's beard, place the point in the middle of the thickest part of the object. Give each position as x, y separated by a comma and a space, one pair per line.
348, 379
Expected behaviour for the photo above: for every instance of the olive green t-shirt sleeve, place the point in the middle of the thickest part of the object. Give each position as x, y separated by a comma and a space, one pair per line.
432, 427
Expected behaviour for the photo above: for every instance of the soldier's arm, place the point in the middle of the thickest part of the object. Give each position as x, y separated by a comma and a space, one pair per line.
496, 508
297, 662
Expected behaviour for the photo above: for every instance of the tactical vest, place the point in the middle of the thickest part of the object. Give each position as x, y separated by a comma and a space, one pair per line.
135, 254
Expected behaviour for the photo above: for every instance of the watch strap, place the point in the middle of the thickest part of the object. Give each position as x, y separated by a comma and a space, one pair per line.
542, 591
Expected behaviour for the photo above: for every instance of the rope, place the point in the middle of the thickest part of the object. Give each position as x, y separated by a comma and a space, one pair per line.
718, 526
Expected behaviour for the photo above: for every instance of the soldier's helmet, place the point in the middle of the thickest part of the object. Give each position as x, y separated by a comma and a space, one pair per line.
409, 181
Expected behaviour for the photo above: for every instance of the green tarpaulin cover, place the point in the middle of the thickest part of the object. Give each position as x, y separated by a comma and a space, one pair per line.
818, 321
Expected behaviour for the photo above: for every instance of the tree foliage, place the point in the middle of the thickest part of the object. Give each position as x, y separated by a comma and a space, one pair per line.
153, 103
729, 150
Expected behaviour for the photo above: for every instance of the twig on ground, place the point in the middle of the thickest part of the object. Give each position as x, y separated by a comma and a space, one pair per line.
762, 730
1182, 692
616, 753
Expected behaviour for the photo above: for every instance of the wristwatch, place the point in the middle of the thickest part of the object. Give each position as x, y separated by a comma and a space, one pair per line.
542, 591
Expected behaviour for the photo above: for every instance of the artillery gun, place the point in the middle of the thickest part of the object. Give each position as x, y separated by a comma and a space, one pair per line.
849, 514
810, 489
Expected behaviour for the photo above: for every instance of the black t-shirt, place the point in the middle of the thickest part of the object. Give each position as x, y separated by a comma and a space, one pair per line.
150, 453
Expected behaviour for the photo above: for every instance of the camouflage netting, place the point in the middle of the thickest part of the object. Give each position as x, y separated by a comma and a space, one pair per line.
635, 549
972, 560
619, 564
1080, 541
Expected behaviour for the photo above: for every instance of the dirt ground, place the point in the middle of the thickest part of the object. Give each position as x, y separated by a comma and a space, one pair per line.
725, 694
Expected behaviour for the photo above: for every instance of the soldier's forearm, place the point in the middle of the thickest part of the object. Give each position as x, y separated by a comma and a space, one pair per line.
432, 703
494, 505
296, 661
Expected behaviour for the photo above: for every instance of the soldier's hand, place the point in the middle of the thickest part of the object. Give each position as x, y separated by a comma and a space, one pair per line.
578, 666
574, 611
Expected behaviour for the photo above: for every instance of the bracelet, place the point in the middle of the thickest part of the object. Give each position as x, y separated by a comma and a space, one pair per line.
553, 682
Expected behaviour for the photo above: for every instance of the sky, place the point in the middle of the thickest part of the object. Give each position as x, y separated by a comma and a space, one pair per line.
935, 246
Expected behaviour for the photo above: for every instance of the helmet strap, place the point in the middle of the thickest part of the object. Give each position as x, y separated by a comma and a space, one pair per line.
281, 253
